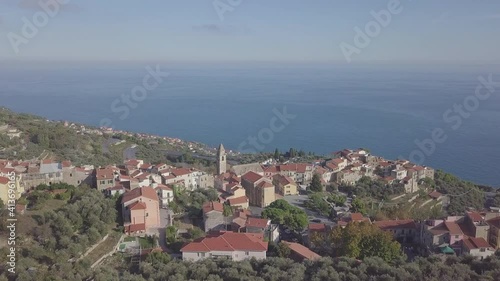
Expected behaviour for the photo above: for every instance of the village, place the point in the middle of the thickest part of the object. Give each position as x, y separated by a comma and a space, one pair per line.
232, 221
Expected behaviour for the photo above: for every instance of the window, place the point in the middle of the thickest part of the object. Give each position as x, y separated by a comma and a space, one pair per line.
482, 250
247, 253
147, 214
456, 236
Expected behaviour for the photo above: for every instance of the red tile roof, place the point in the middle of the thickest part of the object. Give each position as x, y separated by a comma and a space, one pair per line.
164, 187
453, 228
212, 206
475, 243
238, 200
135, 227
180, 172
256, 222
4, 180
227, 242
145, 191
283, 180
357, 217
105, 173
494, 221
66, 164
317, 227
475, 216
435, 194
265, 184
251, 177
138, 206
395, 224
302, 251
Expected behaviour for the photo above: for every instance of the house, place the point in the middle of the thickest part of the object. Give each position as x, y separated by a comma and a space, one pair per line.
257, 225
494, 232
264, 227
353, 217
239, 202
404, 231
105, 178
299, 253
285, 185
165, 194
191, 179
213, 218
477, 247
4, 190
232, 245
259, 189
114, 190
141, 210
316, 232
77, 176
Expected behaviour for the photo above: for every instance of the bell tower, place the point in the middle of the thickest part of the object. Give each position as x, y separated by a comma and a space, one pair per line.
221, 160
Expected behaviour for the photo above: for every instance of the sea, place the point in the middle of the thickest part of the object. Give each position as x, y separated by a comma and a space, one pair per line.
446, 116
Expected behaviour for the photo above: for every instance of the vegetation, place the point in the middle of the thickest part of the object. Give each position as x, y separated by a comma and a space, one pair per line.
51, 240
316, 185
281, 212
366, 187
359, 240
159, 267
316, 202
462, 194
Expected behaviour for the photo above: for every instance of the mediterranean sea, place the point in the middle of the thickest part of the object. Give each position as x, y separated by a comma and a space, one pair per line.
394, 110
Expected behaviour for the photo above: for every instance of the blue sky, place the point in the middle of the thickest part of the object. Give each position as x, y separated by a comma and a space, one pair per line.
255, 30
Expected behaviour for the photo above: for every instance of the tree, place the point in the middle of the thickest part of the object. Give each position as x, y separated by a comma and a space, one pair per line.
362, 240
171, 234
276, 154
227, 210
316, 184
358, 206
281, 212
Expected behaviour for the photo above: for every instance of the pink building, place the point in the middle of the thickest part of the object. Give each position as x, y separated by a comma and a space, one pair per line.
141, 210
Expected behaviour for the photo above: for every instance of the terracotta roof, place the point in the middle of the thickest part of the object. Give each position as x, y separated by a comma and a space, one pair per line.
475, 216
302, 251
251, 177
256, 222
135, 227
435, 194
4, 180
105, 173
132, 162
357, 217
145, 191
66, 164
146, 166
238, 200
137, 206
453, 228
47, 161
265, 184
212, 206
164, 187
283, 180
494, 221
475, 243
439, 230
395, 224
181, 171
227, 242
317, 227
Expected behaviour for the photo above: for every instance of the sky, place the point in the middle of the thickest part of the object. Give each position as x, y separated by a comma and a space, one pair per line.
250, 30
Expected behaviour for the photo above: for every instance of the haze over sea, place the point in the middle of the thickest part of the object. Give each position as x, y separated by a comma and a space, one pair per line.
378, 106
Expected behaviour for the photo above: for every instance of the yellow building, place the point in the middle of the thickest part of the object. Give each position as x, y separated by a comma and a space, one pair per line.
494, 232
285, 185
258, 189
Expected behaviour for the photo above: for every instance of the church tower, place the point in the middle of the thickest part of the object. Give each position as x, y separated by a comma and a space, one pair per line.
221, 160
